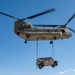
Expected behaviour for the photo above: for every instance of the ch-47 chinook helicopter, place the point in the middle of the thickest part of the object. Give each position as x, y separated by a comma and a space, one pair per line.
42, 32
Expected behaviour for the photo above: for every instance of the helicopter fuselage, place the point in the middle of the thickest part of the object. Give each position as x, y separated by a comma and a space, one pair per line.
47, 32
26, 31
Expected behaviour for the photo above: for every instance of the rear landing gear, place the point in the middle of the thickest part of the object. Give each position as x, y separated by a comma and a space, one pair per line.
51, 42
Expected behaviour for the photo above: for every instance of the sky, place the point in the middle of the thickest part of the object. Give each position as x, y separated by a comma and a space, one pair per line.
18, 58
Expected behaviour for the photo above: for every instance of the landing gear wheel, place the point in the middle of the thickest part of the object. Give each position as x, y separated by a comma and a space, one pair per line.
25, 41
51, 42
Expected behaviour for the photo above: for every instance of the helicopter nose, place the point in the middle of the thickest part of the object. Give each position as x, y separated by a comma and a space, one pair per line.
70, 34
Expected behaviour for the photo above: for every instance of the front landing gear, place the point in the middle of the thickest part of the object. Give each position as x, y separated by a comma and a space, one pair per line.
25, 41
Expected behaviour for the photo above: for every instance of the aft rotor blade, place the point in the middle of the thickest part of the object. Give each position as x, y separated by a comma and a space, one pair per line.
46, 25
39, 14
70, 19
71, 29
8, 15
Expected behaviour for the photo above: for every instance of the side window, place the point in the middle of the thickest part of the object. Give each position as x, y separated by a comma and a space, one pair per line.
45, 59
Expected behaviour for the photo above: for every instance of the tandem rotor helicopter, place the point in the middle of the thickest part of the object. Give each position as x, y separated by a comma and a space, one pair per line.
42, 31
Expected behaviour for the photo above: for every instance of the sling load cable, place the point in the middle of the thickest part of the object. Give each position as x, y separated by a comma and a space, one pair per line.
53, 50
36, 50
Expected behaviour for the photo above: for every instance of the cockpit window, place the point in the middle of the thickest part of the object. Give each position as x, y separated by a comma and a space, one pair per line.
63, 31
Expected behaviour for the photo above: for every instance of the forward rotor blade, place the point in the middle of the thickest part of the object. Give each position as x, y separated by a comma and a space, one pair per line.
70, 19
71, 29
8, 15
39, 14
45, 25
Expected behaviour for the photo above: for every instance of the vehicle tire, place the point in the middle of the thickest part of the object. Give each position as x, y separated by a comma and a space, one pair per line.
56, 63
53, 65
41, 65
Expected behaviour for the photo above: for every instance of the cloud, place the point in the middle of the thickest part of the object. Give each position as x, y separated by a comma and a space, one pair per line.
60, 73
73, 70
66, 71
